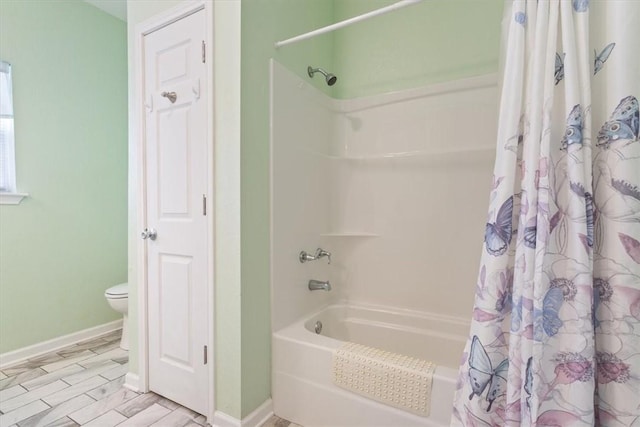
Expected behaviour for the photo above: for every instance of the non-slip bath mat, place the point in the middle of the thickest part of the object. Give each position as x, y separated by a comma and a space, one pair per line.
390, 378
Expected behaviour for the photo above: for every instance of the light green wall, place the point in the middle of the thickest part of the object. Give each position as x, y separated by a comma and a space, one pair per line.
65, 244
433, 41
263, 23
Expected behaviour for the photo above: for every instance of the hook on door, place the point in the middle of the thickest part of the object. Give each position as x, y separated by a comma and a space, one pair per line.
171, 96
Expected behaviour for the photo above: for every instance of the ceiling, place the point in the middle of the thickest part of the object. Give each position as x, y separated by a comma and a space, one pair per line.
117, 8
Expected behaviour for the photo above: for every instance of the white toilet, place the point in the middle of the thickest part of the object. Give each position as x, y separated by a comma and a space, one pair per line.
118, 299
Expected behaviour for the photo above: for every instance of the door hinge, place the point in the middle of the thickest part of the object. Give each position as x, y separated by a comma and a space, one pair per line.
204, 205
204, 52
205, 355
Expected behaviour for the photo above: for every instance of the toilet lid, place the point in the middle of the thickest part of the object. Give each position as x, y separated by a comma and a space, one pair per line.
118, 291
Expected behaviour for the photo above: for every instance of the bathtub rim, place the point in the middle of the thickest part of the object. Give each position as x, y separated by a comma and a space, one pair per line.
298, 331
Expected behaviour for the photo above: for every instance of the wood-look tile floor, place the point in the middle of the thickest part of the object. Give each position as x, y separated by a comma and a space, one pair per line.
82, 385
276, 421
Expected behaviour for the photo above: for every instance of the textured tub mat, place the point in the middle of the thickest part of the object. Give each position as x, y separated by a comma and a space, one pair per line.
393, 379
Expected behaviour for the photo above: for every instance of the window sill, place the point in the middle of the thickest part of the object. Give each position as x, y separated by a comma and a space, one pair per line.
12, 198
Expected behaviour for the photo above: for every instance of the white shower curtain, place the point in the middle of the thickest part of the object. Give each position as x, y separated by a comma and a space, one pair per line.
555, 335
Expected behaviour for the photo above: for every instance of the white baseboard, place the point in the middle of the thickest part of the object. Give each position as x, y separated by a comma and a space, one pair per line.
220, 419
22, 354
254, 419
259, 416
132, 382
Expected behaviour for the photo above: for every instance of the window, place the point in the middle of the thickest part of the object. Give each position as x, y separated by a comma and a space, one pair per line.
7, 145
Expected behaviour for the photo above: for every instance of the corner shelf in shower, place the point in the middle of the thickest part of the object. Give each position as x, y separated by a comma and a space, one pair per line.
350, 234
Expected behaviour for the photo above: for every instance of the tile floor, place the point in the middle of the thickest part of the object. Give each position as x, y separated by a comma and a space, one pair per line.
82, 385
276, 421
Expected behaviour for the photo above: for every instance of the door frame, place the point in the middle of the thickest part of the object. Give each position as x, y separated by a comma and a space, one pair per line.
138, 133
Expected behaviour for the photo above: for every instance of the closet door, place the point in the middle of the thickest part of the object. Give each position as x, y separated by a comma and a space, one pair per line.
176, 182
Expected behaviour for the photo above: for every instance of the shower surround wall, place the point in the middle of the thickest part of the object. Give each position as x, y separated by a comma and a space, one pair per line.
302, 124
393, 185
414, 169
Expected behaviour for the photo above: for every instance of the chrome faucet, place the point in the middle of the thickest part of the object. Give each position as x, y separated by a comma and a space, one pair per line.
305, 256
317, 285
322, 253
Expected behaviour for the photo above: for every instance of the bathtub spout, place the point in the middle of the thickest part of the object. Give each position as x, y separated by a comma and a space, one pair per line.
317, 285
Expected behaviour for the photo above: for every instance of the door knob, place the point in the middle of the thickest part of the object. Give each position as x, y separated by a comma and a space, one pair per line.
149, 233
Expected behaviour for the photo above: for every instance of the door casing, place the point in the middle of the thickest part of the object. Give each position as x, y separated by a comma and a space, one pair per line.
137, 155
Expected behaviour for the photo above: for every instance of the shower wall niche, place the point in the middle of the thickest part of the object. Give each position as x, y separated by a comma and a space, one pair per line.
396, 186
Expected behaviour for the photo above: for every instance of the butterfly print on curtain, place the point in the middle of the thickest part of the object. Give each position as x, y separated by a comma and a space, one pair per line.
482, 374
498, 234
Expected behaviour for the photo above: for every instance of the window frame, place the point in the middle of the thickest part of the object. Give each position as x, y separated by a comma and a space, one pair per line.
8, 192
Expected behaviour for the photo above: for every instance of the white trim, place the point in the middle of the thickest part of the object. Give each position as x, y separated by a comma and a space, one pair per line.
12, 198
20, 355
381, 11
226, 74
255, 419
220, 419
259, 416
140, 381
138, 132
168, 17
211, 230
132, 382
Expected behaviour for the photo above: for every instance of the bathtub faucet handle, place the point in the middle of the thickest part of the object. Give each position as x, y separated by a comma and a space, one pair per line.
322, 253
305, 256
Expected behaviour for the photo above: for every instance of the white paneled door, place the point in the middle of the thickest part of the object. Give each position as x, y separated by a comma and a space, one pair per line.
176, 217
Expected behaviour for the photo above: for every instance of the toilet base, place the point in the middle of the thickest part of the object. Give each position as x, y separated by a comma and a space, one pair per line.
124, 341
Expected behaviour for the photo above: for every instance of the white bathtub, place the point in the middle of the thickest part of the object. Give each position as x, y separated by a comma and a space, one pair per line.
304, 393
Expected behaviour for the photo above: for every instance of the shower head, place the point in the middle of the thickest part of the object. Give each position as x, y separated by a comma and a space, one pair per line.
330, 78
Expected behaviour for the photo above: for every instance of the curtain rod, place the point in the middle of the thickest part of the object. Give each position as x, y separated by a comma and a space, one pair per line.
346, 22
